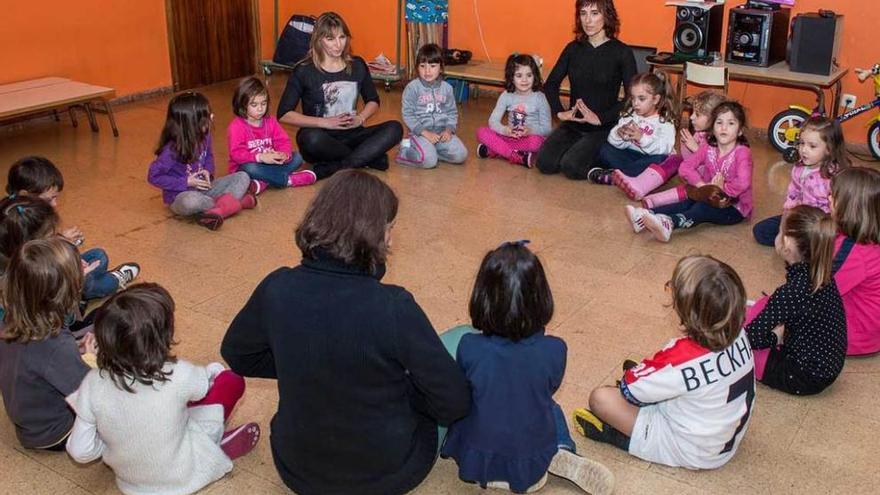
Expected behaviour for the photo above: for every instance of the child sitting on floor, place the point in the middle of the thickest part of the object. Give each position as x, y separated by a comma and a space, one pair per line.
528, 115
657, 174
515, 433
720, 178
823, 154
798, 334
430, 112
184, 166
688, 405
258, 145
645, 133
40, 361
155, 420
37, 176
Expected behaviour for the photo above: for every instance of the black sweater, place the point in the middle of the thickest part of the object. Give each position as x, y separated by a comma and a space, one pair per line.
363, 379
815, 325
327, 94
595, 75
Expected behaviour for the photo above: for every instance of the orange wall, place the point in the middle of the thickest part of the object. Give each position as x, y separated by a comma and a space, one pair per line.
122, 44
545, 26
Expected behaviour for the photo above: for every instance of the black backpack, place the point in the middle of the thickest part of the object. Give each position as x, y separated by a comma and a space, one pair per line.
293, 45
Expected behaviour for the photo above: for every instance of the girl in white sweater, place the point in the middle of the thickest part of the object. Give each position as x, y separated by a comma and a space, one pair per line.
160, 420
645, 133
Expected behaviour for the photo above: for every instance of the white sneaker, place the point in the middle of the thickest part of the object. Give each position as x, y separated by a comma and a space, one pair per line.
660, 225
590, 476
126, 273
635, 216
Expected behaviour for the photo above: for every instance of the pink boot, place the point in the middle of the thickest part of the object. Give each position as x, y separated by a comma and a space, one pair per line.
301, 178
670, 196
225, 206
636, 188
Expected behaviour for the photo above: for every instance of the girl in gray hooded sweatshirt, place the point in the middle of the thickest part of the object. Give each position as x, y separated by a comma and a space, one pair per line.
430, 112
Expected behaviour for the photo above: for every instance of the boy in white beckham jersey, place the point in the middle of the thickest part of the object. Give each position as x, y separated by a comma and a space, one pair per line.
689, 405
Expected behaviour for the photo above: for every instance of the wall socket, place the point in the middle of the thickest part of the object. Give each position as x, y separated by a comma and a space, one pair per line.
848, 101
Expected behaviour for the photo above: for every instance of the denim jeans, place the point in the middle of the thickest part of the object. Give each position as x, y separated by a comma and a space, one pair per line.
99, 282
689, 213
766, 230
274, 175
630, 162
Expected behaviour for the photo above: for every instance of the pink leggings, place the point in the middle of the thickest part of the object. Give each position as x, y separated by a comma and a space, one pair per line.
759, 355
226, 391
506, 146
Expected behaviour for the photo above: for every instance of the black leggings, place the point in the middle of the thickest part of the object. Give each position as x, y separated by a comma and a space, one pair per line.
572, 149
783, 373
331, 150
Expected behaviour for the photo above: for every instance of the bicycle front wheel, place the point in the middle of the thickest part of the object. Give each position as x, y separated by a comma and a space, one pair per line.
784, 128
874, 140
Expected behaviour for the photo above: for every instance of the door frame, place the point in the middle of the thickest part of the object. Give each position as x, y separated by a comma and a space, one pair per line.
172, 46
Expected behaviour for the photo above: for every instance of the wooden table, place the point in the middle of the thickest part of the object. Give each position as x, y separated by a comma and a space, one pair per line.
52, 93
778, 74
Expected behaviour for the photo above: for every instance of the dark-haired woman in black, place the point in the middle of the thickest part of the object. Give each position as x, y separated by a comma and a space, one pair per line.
363, 380
596, 64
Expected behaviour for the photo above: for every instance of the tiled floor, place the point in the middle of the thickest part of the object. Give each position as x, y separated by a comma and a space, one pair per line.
607, 282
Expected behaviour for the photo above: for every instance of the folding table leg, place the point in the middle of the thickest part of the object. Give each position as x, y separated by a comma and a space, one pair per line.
93, 122
107, 109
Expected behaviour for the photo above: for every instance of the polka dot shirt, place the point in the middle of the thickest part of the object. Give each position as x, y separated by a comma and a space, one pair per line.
815, 324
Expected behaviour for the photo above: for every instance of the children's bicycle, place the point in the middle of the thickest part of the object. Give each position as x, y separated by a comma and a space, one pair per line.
785, 127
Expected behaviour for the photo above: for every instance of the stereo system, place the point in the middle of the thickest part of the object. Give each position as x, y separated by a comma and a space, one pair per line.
757, 36
697, 30
815, 41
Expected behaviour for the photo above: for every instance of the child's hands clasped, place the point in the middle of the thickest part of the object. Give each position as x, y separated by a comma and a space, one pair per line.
446, 135
518, 131
432, 137
200, 180
630, 132
273, 157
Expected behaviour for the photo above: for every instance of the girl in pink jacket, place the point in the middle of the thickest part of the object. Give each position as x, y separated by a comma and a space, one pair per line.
823, 154
724, 161
258, 145
855, 207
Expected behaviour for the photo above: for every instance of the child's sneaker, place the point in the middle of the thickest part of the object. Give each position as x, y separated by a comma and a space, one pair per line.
248, 201
590, 476
528, 158
301, 178
482, 150
505, 486
635, 217
660, 225
599, 175
257, 186
240, 441
125, 273
211, 221
590, 426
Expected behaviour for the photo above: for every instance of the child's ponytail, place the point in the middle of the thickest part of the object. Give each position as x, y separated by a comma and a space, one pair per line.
666, 108
813, 232
658, 85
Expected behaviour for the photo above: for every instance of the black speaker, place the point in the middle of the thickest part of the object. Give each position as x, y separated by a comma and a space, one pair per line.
697, 30
815, 41
757, 36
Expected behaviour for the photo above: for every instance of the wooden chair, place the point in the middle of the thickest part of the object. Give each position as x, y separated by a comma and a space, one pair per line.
715, 76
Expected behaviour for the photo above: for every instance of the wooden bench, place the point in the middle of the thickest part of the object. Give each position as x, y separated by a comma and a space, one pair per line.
53, 93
